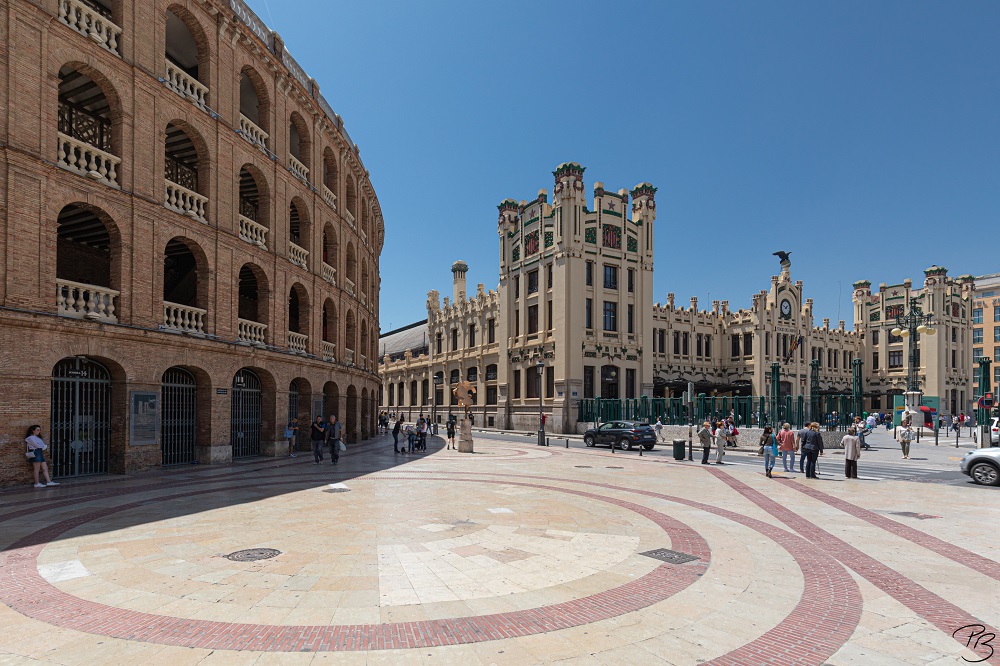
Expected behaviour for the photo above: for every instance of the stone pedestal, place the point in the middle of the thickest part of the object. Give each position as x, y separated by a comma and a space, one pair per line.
911, 399
464, 435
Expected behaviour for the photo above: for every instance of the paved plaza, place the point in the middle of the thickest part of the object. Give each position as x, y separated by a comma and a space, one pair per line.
516, 554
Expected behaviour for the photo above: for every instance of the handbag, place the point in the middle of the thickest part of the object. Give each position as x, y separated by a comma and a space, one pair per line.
343, 447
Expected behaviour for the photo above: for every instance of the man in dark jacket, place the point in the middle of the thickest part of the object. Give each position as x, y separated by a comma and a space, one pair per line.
317, 435
333, 433
812, 447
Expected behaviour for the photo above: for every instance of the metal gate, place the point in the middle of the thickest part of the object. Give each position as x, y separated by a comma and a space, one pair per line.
293, 409
81, 418
245, 426
178, 416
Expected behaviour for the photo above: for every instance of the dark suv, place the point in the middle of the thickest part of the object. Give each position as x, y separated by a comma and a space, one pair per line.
622, 435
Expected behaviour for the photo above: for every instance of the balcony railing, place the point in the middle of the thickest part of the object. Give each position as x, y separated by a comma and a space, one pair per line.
186, 85
297, 342
349, 356
349, 286
252, 133
329, 197
90, 24
364, 362
297, 255
253, 233
364, 236
84, 159
330, 274
329, 351
183, 318
364, 298
251, 331
184, 201
298, 168
86, 301
350, 219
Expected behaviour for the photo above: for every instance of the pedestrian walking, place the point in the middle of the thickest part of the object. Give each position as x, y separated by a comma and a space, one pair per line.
852, 451
812, 448
35, 452
395, 434
450, 427
769, 447
720, 442
333, 438
799, 440
317, 435
659, 429
787, 447
905, 436
705, 437
290, 430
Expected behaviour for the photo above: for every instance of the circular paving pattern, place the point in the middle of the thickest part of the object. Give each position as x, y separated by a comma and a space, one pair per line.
25, 590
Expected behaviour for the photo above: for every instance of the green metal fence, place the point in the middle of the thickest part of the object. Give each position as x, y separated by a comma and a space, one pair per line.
830, 411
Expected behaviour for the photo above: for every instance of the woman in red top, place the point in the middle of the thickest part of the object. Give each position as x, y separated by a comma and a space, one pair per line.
786, 445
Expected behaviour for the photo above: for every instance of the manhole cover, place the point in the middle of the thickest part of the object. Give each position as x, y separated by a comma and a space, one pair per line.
582, 466
671, 556
253, 554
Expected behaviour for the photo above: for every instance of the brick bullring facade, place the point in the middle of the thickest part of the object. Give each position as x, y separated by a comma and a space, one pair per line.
190, 243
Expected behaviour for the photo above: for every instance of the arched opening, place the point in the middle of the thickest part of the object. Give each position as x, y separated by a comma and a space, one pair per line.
185, 189
178, 416
84, 128
364, 282
184, 296
364, 220
253, 108
352, 199
352, 269
331, 251
331, 400
350, 337
363, 346
391, 395
86, 266
298, 147
299, 407
185, 73
252, 308
246, 418
80, 430
329, 330
298, 233
253, 208
298, 318
330, 178
351, 415
610, 376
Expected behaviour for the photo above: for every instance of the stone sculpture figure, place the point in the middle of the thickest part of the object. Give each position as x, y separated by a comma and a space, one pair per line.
463, 391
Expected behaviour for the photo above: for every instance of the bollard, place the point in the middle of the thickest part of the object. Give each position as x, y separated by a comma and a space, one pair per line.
546, 441
919, 430
567, 442
641, 447
956, 437
935, 435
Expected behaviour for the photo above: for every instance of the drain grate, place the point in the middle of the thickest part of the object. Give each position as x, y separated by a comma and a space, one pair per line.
583, 466
671, 556
253, 554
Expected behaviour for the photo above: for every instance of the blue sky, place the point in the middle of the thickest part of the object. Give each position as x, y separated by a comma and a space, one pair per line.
864, 137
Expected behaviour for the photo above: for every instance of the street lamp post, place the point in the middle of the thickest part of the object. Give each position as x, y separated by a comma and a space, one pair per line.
908, 326
438, 381
541, 417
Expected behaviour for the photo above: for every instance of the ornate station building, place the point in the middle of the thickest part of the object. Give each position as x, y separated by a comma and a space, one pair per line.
573, 318
189, 252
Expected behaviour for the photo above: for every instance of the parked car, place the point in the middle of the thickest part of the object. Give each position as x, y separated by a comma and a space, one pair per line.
622, 435
995, 431
983, 465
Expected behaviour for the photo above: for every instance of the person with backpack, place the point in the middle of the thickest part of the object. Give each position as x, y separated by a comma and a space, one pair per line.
769, 448
450, 427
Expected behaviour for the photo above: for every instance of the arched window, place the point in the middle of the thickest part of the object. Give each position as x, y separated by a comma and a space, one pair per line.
298, 318
331, 252
352, 199
86, 264
185, 73
350, 336
330, 178
298, 147
185, 188
491, 372
253, 305
184, 291
298, 234
84, 132
253, 207
253, 108
456, 376
351, 269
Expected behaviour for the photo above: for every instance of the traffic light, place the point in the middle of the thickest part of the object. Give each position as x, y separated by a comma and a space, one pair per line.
988, 400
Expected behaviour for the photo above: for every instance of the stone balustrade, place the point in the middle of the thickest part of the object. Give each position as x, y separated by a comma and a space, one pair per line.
85, 301
364, 236
349, 356
86, 160
297, 342
349, 286
364, 298
350, 219
330, 274
329, 351
298, 168
363, 363
90, 24
184, 201
186, 85
183, 318
252, 133
251, 331
329, 197
253, 233
297, 255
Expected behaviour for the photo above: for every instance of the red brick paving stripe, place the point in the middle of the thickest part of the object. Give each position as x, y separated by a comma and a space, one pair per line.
955, 553
941, 613
23, 589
